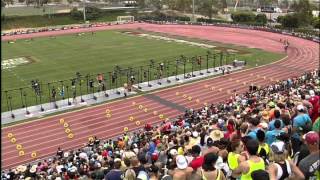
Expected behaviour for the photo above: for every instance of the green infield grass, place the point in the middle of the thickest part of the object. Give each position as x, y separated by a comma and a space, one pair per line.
51, 59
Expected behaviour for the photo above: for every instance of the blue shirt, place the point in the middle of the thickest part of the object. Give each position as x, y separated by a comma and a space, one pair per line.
271, 136
271, 124
301, 120
114, 175
253, 133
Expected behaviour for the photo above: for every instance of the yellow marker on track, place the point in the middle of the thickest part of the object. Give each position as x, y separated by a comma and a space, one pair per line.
10, 135
13, 140
67, 130
65, 125
34, 154
18, 146
70, 136
21, 153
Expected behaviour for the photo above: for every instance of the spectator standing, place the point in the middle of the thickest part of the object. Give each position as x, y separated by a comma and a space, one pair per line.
310, 165
253, 163
281, 168
271, 135
208, 170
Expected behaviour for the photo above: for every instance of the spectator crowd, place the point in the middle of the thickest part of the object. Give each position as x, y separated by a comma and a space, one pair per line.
270, 133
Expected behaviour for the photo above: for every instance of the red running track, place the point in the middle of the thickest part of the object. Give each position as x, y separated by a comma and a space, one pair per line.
45, 135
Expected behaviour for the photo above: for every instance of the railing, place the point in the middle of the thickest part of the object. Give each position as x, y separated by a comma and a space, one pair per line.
40, 92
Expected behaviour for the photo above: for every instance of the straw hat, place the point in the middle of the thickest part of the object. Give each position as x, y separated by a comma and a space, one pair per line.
216, 135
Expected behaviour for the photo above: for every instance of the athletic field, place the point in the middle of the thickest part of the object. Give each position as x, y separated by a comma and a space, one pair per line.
52, 59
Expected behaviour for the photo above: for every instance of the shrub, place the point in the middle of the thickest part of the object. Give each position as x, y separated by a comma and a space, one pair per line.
261, 19
240, 17
290, 21
316, 23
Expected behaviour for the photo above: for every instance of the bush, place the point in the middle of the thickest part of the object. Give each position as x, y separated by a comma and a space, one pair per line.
243, 17
316, 23
280, 19
211, 20
92, 13
290, 21
158, 16
261, 19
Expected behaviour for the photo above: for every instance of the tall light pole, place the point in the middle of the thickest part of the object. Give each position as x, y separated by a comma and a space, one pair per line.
193, 11
84, 11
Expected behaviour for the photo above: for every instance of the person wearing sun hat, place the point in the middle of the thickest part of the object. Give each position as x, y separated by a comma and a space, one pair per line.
216, 135
182, 171
310, 165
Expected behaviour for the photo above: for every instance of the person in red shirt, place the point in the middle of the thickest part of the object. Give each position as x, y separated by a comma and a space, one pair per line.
198, 160
315, 101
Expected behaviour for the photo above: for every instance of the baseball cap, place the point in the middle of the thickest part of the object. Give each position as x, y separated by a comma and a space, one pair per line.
311, 92
278, 147
181, 162
173, 152
117, 160
272, 104
300, 107
311, 137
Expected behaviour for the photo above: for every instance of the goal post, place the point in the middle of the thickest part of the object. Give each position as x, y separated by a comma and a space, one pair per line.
125, 19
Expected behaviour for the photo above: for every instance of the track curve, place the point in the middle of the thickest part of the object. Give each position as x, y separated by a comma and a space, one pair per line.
44, 136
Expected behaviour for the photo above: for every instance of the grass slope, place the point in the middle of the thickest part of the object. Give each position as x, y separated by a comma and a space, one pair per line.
59, 59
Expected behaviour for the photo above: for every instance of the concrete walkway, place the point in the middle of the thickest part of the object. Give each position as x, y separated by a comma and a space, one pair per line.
63, 105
